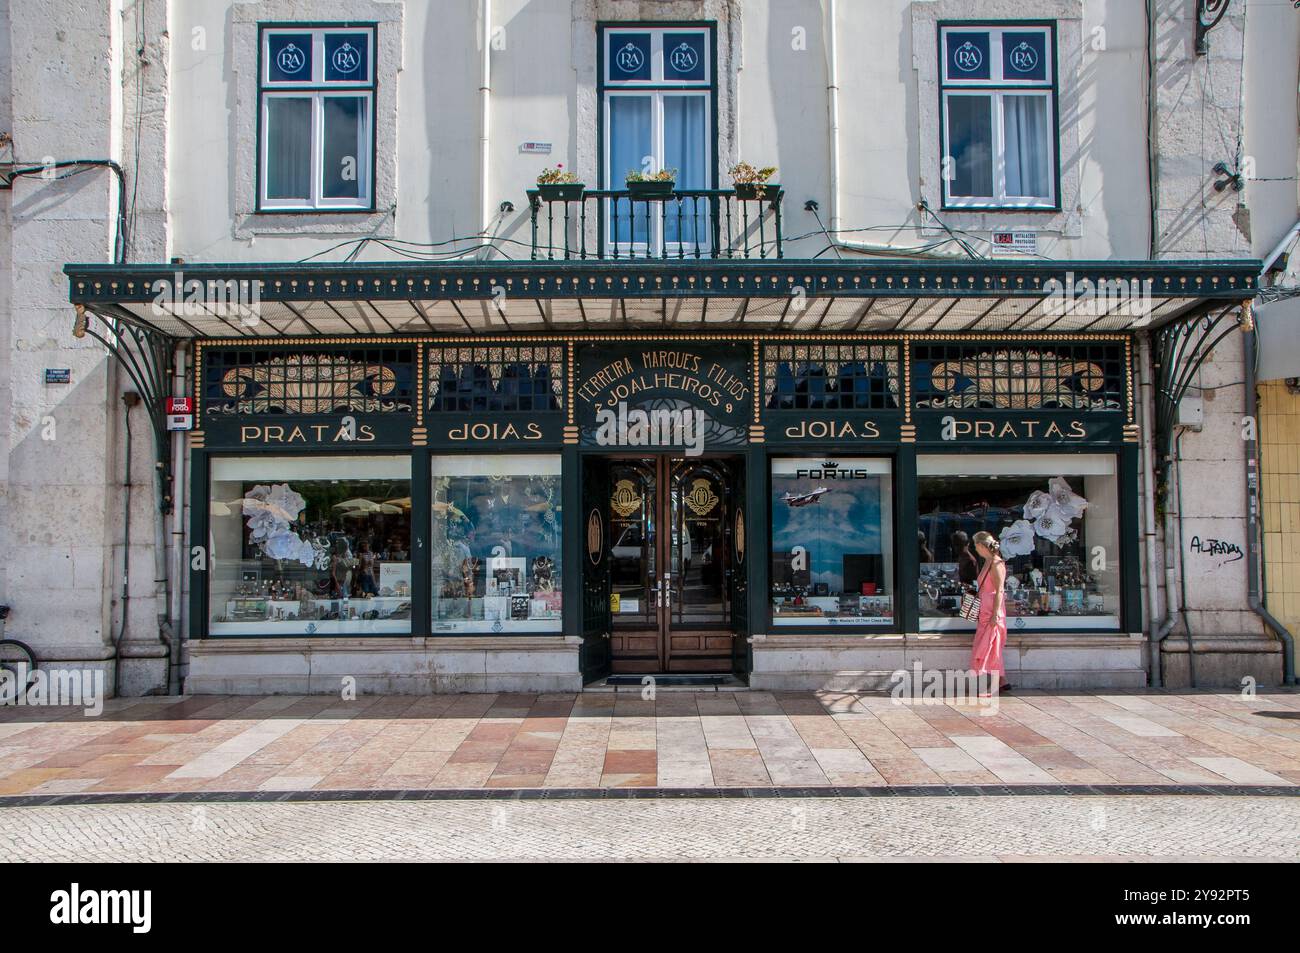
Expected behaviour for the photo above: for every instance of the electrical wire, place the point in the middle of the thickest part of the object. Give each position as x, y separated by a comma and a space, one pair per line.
29, 170
965, 246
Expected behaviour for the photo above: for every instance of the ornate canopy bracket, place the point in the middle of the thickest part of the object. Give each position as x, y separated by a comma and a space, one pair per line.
146, 356
1180, 349
1208, 15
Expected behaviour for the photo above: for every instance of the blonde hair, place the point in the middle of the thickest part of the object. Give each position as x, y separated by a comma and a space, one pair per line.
989, 541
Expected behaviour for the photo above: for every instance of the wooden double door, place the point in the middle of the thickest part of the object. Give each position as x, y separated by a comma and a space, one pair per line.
674, 587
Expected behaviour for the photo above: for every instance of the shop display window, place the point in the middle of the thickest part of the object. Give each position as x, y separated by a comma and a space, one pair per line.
832, 542
1057, 518
495, 544
310, 545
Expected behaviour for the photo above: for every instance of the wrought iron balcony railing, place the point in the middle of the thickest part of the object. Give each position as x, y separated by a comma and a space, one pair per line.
683, 224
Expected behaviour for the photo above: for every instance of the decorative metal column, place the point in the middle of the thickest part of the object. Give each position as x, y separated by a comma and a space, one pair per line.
146, 356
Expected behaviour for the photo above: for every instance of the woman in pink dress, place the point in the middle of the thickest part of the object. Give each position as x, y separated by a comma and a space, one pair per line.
991, 629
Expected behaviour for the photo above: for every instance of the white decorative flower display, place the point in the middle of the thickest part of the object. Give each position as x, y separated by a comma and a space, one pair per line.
1048, 515
1070, 503
1051, 525
1017, 539
270, 511
1037, 504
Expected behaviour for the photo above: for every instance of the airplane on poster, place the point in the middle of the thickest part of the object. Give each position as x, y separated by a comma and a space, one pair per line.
803, 499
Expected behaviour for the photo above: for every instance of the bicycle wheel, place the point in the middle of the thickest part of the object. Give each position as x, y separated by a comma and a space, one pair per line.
18, 659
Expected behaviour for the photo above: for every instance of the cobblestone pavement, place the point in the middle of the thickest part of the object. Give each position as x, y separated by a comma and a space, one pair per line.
679, 739
1007, 829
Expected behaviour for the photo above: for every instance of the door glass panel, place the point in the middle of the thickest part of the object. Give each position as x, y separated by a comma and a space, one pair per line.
700, 548
632, 529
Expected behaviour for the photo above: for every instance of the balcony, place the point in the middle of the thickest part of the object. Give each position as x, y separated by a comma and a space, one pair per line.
686, 224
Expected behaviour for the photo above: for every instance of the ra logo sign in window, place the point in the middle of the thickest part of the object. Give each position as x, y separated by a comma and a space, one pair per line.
683, 59
290, 57
968, 55
1024, 56
345, 57
684, 56
630, 57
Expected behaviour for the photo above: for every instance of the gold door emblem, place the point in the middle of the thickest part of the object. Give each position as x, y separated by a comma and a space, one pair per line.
625, 500
701, 499
740, 535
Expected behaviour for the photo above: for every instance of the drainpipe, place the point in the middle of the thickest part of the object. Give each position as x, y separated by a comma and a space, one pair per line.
161, 588
833, 107
1147, 416
1171, 613
1160, 629
485, 119
129, 400
1182, 563
177, 548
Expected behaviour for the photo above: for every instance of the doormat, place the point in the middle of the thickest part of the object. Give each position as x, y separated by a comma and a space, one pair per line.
668, 679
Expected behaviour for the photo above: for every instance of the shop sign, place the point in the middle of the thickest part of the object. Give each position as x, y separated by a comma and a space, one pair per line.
179, 405
335, 431
305, 433
664, 394
58, 375
813, 427
510, 430
997, 428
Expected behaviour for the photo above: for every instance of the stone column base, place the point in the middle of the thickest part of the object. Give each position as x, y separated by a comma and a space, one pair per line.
142, 668
1222, 661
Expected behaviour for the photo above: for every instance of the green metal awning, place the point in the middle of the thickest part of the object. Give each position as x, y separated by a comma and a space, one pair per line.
281, 300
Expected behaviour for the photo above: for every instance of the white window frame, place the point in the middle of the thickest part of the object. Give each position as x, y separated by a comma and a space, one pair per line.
996, 88
658, 90
317, 89
658, 210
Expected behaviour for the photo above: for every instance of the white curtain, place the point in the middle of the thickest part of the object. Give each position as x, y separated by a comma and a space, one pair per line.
685, 150
345, 149
288, 148
1027, 146
629, 144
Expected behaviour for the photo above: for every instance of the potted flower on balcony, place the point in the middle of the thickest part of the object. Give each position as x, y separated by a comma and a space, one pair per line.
752, 183
559, 185
651, 184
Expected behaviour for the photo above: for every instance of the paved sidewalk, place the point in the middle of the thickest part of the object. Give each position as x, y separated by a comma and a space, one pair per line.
950, 829
682, 739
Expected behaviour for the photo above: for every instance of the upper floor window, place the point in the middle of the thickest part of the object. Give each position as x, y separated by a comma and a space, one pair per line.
316, 97
657, 89
998, 99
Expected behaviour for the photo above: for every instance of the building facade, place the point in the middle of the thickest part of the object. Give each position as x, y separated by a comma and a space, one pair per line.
309, 377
